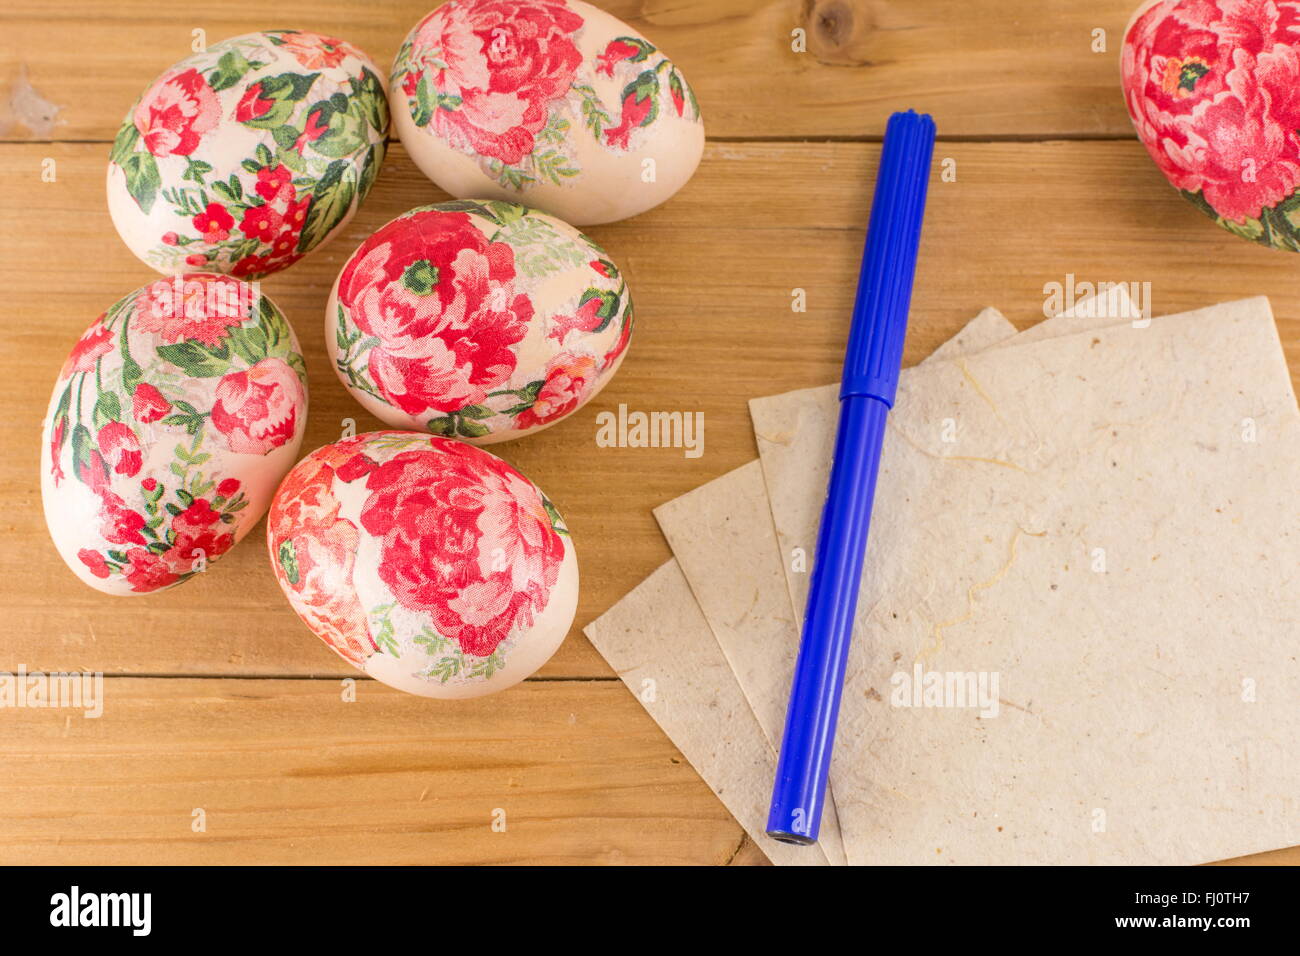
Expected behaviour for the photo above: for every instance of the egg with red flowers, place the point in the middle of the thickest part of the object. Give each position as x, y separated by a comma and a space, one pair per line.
1213, 89
171, 423
481, 320
429, 564
552, 103
246, 156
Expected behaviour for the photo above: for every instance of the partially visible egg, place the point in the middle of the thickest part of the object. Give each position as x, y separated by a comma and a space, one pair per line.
553, 103
481, 320
172, 422
1211, 87
245, 157
430, 564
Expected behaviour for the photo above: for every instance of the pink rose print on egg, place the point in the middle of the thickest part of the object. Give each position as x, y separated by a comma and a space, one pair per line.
148, 404
506, 62
466, 540
315, 51
120, 449
1213, 88
175, 113
199, 307
568, 379
95, 342
441, 300
256, 410
315, 551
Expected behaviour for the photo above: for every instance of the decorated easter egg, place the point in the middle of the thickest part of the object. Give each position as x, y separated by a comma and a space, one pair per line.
482, 320
244, 158
553, 103
172, 422
1211, 86
430, 564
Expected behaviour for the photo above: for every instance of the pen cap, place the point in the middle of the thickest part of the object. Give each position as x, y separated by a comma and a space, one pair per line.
875, 349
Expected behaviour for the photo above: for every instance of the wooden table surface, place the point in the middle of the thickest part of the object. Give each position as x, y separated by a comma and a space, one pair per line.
218, 698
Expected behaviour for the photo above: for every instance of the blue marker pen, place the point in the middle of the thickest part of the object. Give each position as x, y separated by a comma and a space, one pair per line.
871, 366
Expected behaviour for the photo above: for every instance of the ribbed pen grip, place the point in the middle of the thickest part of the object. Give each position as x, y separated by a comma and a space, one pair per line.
875, 349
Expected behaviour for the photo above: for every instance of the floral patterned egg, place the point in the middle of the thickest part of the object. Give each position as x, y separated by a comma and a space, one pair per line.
1211, 87
482, 320
173, 419
549, 102
430, 564
244, 158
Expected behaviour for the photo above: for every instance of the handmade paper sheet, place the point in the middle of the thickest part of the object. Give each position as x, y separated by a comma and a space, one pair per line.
1097, 537
726, 524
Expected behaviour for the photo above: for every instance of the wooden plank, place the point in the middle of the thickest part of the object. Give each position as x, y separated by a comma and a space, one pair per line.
286, 772
712, 274
1023, 68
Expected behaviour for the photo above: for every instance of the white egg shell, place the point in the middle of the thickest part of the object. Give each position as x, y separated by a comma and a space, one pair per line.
477, 319
432, 565
245, 157
172, 422
553, 103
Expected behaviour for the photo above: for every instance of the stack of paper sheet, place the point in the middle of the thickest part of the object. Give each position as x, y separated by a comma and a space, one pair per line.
1079, 618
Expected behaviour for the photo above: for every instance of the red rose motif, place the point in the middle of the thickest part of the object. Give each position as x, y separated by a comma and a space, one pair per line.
261, 222
1213, 87
118, 523
197, 307
148, 404
312, 130
441, 300
213, 223
507, 61
251, 105
315, 51
228, 487
569, 378
616, 52
465, 539
636, 111
585, 319
94, 561
120, 448
175, 113
271, 180
149, 484
313, 551
95, 342
257, 410
619, 347
678, 94
199, 535
146, 571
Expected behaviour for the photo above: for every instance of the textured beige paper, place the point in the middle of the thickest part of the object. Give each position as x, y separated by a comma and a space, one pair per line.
1100, 536
726, 525
817, 409
659, 643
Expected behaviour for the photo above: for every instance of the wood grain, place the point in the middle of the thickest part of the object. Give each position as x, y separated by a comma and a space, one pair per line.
1018, 68
212, 706
286, 772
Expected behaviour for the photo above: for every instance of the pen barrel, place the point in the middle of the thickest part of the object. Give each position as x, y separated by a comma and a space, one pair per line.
875, 348
804, 763
871, 365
